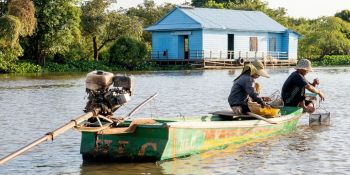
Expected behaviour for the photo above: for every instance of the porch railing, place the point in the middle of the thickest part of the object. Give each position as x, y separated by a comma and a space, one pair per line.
165, 55
204, 54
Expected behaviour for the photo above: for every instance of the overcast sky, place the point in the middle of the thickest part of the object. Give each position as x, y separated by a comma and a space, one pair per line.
296, 8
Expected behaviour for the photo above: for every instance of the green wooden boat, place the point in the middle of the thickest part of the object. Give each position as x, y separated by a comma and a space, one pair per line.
162, 139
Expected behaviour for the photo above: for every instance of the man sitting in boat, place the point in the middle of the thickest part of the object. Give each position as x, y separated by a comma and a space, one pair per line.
293, 90
244, 87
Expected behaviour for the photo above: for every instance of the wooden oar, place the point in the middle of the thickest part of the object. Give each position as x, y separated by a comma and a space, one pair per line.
51, 135
261, 118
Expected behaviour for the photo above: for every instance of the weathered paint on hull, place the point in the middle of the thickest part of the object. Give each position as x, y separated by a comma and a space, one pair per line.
194, 141
167, 141
145, 144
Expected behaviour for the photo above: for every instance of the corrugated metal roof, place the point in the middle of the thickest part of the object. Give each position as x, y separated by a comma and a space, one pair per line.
224, 19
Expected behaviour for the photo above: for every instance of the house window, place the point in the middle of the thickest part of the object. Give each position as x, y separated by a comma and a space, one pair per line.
272, 44
253, 44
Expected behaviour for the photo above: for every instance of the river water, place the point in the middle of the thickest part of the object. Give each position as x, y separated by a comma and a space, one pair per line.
31, 106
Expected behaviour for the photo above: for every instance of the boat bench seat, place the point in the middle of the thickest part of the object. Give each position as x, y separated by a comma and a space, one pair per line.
229, 113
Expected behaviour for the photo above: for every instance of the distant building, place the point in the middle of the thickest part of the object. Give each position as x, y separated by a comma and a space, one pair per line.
188, 33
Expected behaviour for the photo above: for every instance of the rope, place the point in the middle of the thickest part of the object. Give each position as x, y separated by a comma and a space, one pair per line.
275, 95
276, 100
50, 134
155, 108
76, 123
150, 109
321, 107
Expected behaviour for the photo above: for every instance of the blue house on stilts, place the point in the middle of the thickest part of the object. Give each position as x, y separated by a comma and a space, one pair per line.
192, 34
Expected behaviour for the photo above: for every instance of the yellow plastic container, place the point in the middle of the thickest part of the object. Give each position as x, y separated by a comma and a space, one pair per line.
257, 109
270, 112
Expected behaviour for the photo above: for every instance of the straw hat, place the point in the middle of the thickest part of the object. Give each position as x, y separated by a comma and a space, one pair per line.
256, 67
304, 64
260, 69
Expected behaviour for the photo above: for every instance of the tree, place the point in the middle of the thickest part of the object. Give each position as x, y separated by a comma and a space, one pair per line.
278, 14
20, 20
10, 28
93, 21
104, 27
230, 4
326, 36
148, 13
334, 35
129, 53
120, 25
344, 15
203, 3
247, 5
24, 10
16, 19
3, 7
199, 3
57, 28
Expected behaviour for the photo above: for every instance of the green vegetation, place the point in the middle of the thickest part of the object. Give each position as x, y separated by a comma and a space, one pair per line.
103, 28
148, 14
58, 23
16, 20
129, 53
334, 60
75, 35
344, 15
78, 66
86, 66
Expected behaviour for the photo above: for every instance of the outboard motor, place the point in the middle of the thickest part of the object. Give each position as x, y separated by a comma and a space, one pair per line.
101, 93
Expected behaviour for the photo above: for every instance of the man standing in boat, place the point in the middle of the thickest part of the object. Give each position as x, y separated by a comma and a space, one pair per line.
293, 90
244, 87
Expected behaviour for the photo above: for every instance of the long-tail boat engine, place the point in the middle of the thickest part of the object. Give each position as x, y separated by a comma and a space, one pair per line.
107, 91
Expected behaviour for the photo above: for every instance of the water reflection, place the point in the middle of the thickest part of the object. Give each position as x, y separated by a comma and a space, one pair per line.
120, 168
179, 73
333, 70
233, 71
41, 76
38, 86
280, 70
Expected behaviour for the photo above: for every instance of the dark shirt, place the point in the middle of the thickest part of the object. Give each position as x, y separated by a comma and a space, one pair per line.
242, 88
293, 90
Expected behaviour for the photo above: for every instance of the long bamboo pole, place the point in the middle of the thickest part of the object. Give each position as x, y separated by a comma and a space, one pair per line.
51, 135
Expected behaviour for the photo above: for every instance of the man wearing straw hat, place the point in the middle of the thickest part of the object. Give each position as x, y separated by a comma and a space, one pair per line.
293, 90
243, 88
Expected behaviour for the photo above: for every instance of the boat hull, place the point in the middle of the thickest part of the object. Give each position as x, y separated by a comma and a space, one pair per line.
171, 139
